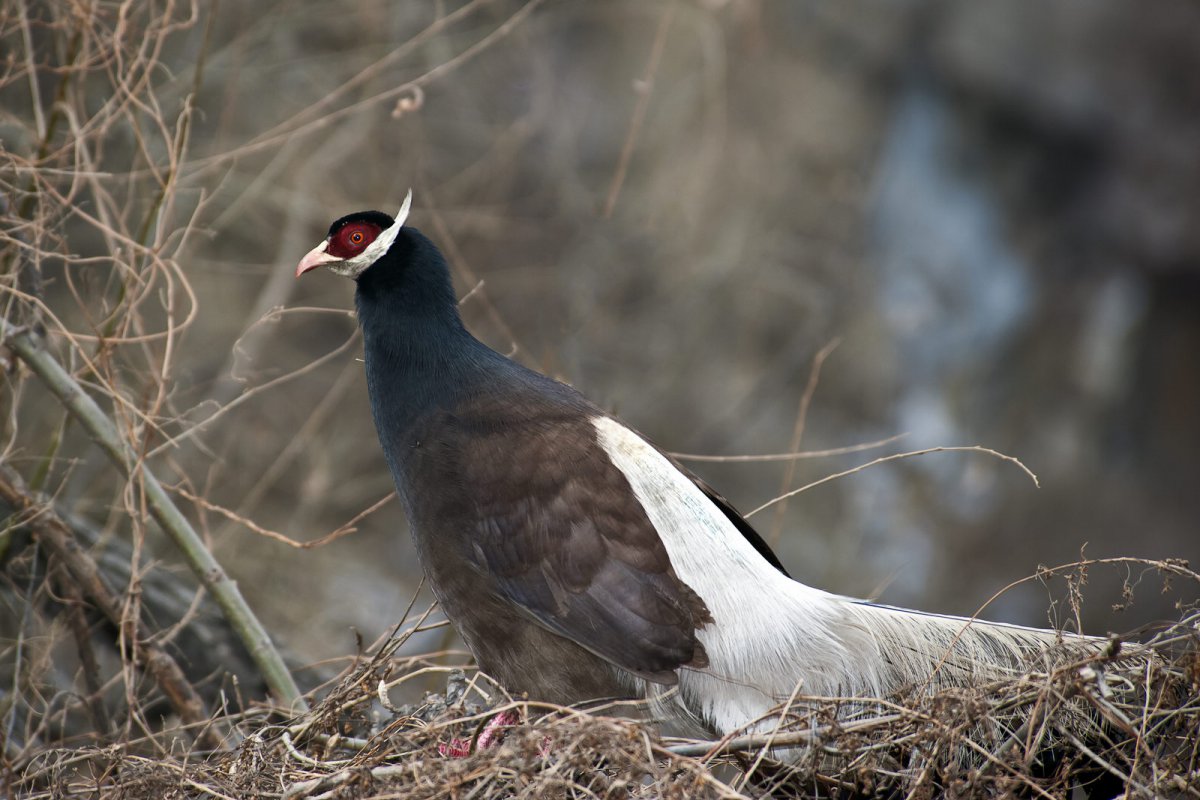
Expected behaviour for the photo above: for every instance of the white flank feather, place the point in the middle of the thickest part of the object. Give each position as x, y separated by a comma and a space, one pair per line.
772, 636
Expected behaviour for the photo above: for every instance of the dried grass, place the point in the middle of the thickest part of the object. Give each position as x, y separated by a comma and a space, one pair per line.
1020, 736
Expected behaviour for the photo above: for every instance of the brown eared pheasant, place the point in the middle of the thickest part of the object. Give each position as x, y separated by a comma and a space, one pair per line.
578, 561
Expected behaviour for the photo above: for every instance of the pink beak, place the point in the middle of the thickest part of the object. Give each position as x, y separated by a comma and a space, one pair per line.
316, 257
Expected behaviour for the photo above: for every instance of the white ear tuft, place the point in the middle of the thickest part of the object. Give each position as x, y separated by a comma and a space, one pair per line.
353, 267
402, 214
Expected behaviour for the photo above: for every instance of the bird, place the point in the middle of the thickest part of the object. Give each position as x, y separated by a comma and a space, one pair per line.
579, 561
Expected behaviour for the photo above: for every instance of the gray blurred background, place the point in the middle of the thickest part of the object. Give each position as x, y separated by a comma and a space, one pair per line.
993, 210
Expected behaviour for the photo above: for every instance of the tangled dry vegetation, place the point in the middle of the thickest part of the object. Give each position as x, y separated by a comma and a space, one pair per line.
990, 741
123, 677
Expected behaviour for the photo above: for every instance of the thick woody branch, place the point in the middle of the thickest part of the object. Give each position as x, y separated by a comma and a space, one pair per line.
104, 433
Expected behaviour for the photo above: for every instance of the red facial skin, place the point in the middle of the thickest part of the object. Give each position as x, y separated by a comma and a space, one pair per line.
351, 239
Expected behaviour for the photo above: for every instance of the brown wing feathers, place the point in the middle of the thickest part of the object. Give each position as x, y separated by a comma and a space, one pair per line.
567, 542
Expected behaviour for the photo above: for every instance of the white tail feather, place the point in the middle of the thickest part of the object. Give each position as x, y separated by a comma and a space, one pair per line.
773, 638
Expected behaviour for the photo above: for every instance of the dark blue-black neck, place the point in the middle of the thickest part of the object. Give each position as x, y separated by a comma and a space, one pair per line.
419, 357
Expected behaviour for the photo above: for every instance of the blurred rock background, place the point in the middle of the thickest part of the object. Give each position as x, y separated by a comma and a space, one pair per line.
993, 210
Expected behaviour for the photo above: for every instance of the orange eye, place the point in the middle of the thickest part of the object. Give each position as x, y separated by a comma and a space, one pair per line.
357, 237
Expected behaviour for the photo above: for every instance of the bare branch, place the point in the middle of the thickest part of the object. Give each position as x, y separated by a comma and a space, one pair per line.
202, 563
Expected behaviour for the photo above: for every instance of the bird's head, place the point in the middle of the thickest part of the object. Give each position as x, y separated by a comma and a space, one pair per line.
355, 242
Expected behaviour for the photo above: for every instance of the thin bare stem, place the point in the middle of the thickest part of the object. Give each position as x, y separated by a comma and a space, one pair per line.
810, 390
897, 457
644, 88
802, 454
